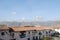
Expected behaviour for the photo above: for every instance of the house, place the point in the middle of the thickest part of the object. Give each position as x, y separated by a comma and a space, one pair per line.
56, 28
4, 32
22, 33
29, 33
25, 32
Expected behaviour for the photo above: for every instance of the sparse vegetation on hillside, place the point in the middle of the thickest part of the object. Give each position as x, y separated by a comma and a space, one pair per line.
47, 38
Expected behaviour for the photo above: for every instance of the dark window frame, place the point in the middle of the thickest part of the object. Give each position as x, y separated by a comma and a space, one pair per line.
2, 33
22, 34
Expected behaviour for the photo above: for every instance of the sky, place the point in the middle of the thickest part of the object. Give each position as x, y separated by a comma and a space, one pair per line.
18, 10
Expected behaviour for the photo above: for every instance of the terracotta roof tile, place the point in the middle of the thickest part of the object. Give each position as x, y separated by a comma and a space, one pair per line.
22, 28
56, 27
3, 27
28, 28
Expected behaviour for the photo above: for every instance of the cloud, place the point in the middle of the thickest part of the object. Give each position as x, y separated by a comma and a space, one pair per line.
14, 13
57, 19
37, 18
8, 20
23, 18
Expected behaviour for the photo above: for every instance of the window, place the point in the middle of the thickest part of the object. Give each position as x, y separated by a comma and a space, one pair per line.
40, 33
2, 33
28, 39
46, 32
49, 31
33, 38
39, 38
12, 34
13, 39
22, 35
36, 37
28, 32
34, 32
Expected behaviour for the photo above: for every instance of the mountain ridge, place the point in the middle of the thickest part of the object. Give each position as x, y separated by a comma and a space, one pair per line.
32, 23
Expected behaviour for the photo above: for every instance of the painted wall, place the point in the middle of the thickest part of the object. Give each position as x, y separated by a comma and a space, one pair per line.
5, 36
29, 34
57, 30
32, 34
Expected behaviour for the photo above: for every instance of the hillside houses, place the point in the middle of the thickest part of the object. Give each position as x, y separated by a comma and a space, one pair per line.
4, 32
25, 33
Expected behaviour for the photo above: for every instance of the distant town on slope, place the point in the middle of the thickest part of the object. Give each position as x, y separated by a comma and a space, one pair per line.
46, 23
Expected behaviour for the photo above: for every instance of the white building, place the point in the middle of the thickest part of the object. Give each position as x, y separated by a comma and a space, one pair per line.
30, 33
4, 32
56, 29
24, 33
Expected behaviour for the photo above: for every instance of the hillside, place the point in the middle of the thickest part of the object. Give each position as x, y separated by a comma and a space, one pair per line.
47, 23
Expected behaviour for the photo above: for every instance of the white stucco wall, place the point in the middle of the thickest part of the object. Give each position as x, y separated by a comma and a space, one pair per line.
5, 36
31, 35
57, 30
17, 37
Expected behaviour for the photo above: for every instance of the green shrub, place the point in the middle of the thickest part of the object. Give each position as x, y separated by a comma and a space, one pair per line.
47, 38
